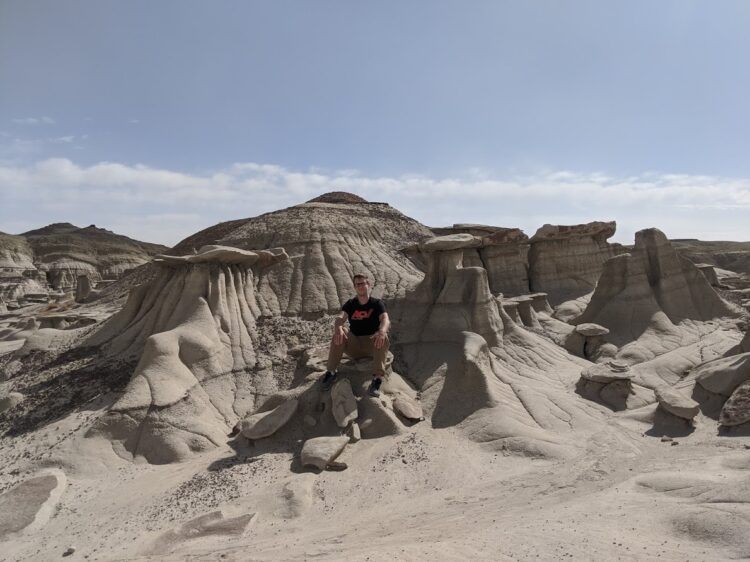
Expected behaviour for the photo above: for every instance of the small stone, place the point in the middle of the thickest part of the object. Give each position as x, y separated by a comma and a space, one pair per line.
267, 423
354, 433
70, 550
336, 466
343, 403
675, 443
309, 420
320, 451
666, 439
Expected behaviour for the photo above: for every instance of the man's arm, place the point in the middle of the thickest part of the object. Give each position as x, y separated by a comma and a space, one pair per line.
382, 334
339, 334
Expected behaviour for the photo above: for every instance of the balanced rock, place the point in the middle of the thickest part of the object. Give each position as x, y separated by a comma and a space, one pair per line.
676, 403
320, 451
343, 403
264, 424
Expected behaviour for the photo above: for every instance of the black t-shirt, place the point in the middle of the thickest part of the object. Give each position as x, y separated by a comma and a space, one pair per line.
364, 319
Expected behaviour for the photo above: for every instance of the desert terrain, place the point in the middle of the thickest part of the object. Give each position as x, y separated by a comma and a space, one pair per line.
551, 396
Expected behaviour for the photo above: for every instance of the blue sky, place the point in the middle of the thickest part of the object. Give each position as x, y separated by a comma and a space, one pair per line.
157, 119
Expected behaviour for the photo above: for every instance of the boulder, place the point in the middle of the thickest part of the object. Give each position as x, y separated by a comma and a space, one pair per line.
343, 403
736, 409
676, 403
408, 407
264, 424
11, 400
319, 451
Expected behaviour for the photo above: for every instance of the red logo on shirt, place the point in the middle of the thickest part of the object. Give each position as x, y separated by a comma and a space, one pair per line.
362, 314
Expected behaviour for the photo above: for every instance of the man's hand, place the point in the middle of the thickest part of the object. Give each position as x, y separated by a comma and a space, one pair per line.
339, 335
379, 338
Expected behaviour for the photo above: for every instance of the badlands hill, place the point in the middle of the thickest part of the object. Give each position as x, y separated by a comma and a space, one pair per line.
51, 258
550, 396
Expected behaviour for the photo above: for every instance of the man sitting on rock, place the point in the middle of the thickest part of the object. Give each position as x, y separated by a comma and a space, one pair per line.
367, 335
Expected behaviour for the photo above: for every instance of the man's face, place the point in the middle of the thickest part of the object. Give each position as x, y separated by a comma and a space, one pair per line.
362, 286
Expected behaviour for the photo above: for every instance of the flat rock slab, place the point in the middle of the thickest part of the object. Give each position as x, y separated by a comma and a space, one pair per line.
589, 329
320, 451
214, 524
736, 409
29, 505
343, 403
722, 376
450, 242
408, 407
677, 403
264, 424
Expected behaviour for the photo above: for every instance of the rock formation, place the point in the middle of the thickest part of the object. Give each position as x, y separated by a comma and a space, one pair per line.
503, 252
648, 298
327, 242
475, 367
194, 328
565, 261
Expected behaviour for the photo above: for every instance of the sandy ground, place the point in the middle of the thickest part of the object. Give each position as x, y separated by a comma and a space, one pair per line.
426, 494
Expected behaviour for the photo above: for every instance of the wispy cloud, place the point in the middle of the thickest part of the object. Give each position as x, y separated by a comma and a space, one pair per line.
166, 205
44, 120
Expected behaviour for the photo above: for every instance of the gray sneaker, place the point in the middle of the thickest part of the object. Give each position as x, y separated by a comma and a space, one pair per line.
374, 389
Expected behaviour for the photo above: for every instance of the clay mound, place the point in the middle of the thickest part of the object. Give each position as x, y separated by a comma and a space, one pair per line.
565, 261
477, 369
338, 197
64, 251
194, 328
327, 244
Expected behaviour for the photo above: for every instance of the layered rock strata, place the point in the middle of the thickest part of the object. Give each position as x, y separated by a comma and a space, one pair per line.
503, 252
566, 261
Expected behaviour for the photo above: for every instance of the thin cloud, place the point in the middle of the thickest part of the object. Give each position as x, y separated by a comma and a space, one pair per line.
167, 205
33, 120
